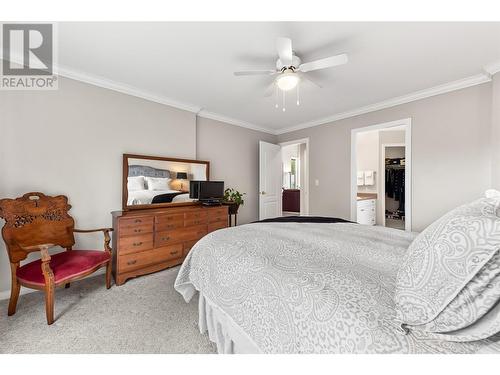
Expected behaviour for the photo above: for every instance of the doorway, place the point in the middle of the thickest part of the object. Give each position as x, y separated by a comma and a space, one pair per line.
295, 177
284, 179
381, 181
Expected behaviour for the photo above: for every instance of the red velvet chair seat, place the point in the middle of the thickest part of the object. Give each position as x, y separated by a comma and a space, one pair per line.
65, 266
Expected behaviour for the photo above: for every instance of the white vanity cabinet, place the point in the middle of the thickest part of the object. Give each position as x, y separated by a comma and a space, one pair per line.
366, 211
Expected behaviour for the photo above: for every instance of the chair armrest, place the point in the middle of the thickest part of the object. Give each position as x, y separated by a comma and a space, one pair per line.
107, 238
48, 275
43, 248
93, 230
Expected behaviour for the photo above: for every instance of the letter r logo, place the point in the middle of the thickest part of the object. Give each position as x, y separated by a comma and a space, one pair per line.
31, 45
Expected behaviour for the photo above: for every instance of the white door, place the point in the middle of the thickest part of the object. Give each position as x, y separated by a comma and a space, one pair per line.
269, 180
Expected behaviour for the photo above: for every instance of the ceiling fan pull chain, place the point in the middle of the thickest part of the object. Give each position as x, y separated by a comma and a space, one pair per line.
284, 109
298, 94
276, 96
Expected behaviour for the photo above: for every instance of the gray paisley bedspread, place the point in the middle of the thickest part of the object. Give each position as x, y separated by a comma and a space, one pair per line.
309, 288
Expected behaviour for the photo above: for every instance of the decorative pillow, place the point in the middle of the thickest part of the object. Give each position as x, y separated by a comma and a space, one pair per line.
158, 183
135, 183
450, 279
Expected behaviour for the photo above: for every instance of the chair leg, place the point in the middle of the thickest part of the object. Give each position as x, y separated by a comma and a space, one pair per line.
14, 295
49, 303
108, 275
15, 287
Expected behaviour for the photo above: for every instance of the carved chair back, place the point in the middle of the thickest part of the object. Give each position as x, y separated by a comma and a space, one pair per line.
35, 219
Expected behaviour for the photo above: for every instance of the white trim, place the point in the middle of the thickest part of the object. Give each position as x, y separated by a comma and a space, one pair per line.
228, 120
306, 177
417, 95
125, 89
408, 170
6, 293
24, 290
492, 68
143, 94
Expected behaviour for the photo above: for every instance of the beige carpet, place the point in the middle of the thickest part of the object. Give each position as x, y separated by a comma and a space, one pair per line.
145, 315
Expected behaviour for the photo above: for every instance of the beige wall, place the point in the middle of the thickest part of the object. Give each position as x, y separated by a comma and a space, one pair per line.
234, 157
70, 141
450, 150
495, 121
367, 158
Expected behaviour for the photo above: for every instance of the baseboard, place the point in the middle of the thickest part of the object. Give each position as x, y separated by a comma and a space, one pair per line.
6, 293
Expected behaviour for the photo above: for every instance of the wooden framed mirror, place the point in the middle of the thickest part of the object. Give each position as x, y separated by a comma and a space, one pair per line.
154, 181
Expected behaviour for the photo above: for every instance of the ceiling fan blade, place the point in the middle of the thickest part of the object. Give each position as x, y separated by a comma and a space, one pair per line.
270, 90
255, 72
284, 47
304, 77
327, 62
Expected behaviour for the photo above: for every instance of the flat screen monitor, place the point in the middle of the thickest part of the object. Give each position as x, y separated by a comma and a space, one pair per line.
194, 189
209, 190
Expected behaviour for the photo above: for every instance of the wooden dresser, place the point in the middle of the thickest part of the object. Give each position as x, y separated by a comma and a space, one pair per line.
146, 241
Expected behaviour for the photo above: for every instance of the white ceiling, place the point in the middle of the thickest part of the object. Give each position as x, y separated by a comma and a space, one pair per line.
192, 64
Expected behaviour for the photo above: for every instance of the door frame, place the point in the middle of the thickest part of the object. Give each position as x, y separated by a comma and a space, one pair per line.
408, 167
279, 188
306, 174
382, 183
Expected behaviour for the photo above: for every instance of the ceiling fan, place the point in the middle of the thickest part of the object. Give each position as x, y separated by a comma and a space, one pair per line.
290, 70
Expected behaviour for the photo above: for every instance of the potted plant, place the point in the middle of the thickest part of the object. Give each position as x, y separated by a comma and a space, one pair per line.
233, 198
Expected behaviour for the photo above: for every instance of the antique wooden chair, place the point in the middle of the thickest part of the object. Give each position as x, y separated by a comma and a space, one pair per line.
36, 222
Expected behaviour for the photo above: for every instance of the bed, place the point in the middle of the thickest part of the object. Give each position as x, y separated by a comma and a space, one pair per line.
146, 196
305, 287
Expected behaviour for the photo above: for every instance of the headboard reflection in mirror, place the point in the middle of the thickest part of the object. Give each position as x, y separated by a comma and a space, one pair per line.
153, 181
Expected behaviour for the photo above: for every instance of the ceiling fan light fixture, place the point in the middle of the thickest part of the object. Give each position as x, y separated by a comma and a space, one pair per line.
287, 81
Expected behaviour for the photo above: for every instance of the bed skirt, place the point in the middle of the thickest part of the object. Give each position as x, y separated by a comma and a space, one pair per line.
227, 335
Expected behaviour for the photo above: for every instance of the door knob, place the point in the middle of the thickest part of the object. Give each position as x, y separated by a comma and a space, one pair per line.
263, 192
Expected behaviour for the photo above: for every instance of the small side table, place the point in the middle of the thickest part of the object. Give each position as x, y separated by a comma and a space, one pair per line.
232, 211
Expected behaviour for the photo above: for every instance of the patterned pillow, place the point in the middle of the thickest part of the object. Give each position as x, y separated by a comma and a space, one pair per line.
451, 276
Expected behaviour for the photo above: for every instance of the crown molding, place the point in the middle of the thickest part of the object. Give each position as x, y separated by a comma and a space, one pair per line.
492, 68
102, 82
125, 89
232, 121
417, 95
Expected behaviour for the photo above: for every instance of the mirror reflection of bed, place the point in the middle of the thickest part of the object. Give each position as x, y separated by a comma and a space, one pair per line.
153, 181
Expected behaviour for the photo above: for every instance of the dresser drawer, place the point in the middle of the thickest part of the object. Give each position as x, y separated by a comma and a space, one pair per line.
135, 261
169, 222
185, 234
195, 221
133, 244
134, 226
162, 219
218, 211
215, 226
197, 214
187, 247
218, 218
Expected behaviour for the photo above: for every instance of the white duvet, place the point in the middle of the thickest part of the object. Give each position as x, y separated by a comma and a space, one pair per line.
307, 288
146, 196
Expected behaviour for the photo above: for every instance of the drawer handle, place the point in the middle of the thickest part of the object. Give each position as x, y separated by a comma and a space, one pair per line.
197, 222
137, 230
130, 262
137, 243
362, 210
174, 252
165, 238
138, 221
